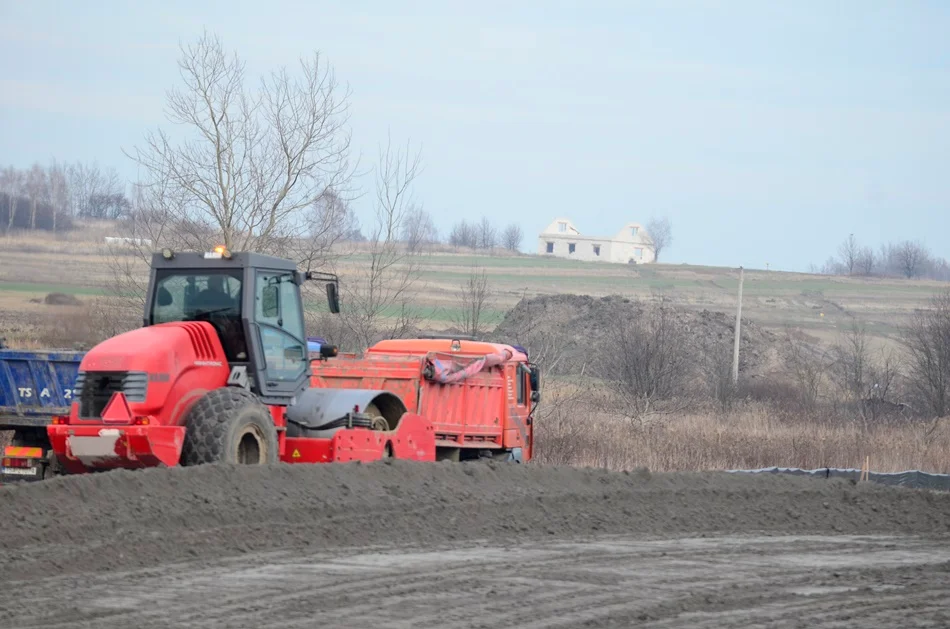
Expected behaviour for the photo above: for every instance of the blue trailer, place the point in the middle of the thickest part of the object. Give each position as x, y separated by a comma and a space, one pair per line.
35, 386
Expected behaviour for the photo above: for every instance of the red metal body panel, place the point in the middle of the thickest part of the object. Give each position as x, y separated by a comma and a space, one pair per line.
82, 448
481, 411
183, 360
413, 439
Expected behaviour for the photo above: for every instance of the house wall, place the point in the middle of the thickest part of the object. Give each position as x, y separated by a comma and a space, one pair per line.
584, 248
623, 252
630, 243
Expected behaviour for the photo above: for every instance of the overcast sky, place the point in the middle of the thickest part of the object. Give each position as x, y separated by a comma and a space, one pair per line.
766, 131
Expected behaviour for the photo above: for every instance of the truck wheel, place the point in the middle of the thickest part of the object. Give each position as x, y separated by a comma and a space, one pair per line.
229, 425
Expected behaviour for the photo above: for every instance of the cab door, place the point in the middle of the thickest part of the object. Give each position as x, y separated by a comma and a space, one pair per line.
518, 429
281, 362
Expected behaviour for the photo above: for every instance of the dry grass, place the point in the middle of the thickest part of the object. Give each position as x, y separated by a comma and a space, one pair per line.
572, 431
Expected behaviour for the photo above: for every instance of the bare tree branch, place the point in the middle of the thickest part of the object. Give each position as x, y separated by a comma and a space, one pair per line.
511, 238
927, 341
419, 230
849, 251
253, 164
475, 298
379, 296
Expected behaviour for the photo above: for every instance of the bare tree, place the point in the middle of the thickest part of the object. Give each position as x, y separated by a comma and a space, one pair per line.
807, 367
331, 221
866, 262
37, 190
12, 182
108, 206
378, 297
927, 341
511, 238
464, 234
867, 378
487, 235
940, 270
419, 230
253, 162
852, 360
911, 258
649, 360
887, 260
58, 192
474, 300
96, 193
848, 252
715, 363
660, 235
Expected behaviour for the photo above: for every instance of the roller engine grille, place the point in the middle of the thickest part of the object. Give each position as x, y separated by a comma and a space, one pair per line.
96, 388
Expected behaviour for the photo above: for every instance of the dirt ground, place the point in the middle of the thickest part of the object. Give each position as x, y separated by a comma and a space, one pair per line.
469, 545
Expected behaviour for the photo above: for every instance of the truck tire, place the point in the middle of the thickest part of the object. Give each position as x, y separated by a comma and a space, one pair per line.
229, 425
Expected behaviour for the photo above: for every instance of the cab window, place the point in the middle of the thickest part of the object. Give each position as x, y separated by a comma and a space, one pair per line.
520, 378
212, 296
186, 296
280, 321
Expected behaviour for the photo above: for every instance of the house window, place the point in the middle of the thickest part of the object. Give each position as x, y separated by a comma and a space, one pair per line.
562, 227
596, 250
550, 248
634, 231
638, 252
570, 247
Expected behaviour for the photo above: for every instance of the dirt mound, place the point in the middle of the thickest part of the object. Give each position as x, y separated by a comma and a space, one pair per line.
573, 328
122, 520
61, 299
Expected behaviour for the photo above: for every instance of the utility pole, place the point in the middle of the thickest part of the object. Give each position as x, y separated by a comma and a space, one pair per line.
735, 347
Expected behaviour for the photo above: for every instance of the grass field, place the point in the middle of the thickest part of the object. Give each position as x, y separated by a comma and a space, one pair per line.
33, 265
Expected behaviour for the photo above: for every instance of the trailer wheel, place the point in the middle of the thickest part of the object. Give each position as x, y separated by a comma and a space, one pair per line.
229, 425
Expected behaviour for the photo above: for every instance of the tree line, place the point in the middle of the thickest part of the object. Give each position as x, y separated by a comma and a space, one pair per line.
909, 259
49, 197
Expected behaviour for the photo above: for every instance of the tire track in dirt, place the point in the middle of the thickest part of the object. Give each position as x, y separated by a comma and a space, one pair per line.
610, 582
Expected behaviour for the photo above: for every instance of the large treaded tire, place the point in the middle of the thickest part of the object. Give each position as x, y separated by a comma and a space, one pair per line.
226, 426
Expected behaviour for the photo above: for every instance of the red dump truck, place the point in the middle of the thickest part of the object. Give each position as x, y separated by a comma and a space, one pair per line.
220, 372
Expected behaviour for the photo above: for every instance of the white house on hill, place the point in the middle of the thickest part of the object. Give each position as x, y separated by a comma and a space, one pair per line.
630, 245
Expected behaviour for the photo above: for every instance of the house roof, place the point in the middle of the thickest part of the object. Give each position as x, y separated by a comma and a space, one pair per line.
624, 235
553, 230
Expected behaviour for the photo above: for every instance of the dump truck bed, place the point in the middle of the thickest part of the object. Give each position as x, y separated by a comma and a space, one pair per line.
470, 394
36, 385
